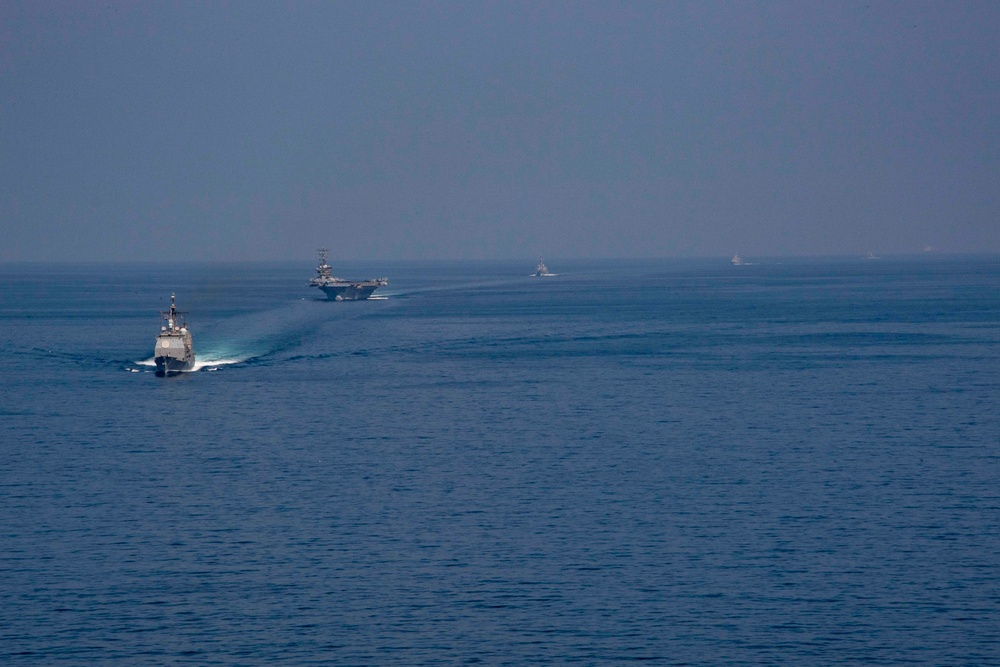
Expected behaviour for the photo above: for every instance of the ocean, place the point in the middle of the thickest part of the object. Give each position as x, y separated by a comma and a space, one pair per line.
677, 462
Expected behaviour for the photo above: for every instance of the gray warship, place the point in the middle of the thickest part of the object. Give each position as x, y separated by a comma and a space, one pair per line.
174, 349
339, 289
542, 271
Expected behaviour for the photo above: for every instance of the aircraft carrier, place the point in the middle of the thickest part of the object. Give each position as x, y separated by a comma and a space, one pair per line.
174, 348
339, 289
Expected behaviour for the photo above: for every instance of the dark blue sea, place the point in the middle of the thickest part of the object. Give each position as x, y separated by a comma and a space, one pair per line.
672, 462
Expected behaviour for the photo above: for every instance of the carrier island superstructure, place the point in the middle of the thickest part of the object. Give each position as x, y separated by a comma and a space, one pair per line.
339, 289
174, 349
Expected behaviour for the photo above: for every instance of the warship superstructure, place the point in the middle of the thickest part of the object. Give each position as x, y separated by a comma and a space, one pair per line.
174, 348
339, 289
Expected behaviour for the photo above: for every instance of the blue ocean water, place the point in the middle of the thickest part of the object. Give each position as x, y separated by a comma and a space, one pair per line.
676, 462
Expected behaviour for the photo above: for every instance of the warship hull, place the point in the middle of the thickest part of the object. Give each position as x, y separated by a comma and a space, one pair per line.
167, 366
349, 291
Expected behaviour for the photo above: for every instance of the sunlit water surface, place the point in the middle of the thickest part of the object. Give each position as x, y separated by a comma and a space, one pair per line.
789, 462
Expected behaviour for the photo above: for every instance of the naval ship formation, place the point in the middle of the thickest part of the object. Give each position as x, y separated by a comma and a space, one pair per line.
174, 349
339, 289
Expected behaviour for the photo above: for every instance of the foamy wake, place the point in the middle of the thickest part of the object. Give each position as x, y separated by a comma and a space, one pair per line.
208, 364
213, 364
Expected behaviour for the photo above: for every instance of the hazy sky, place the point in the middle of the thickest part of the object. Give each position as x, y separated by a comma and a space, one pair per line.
262, 130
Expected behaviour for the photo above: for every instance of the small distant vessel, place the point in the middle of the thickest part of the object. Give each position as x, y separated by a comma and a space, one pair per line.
542, 271
872, 255
174, 348
737, 260
338, 289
